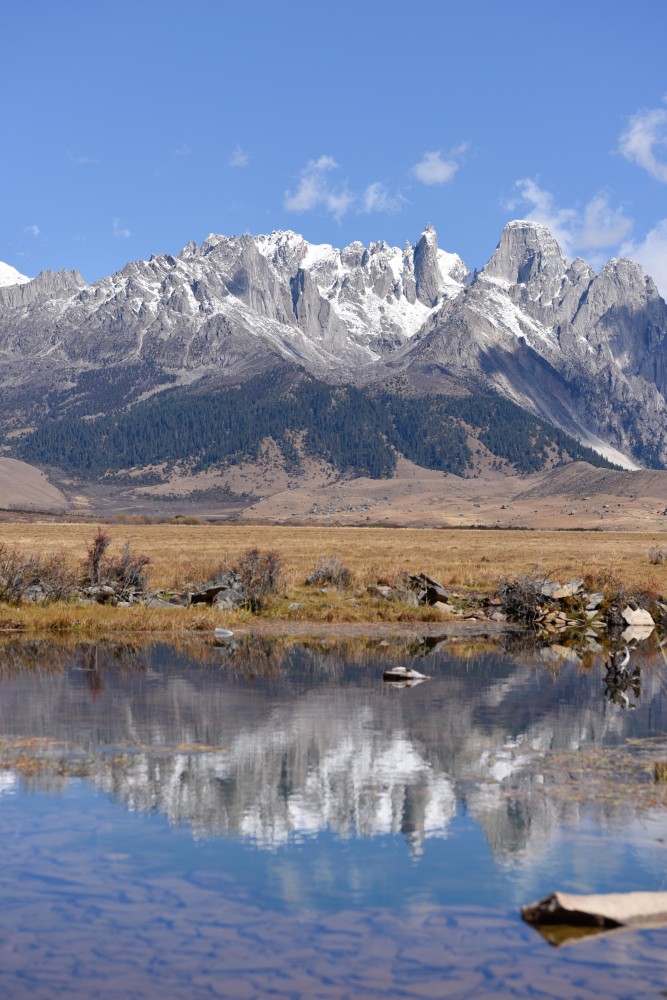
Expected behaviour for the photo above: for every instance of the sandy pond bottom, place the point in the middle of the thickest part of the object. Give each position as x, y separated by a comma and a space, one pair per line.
273, 820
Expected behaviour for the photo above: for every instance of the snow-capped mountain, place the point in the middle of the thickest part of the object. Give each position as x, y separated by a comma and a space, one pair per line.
587, 351
10, 276
329, 309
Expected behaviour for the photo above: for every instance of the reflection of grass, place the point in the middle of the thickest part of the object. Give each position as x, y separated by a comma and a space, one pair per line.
660, 771
247, 653
623, 775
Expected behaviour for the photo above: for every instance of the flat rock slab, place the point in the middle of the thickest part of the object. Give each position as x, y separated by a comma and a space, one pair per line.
566, 916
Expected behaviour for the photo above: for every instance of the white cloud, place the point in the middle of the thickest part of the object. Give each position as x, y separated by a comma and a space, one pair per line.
559, 221
82, 161
598, 225
33, 230
433, 169
120, 232
182, 150
644, 142
376, 198
603, 226
651, 253
239, 158
314, 190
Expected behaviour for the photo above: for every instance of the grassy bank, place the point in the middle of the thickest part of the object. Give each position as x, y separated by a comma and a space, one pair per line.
467, 560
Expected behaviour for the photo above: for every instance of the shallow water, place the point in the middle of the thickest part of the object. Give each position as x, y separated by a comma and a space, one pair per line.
272, 820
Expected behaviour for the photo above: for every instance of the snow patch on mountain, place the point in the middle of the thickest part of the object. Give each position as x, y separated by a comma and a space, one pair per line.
10, 276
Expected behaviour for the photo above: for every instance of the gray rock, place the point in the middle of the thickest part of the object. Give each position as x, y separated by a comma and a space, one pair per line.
559, 591
637, 617
444, 606
35, 594
428, 591
229, 599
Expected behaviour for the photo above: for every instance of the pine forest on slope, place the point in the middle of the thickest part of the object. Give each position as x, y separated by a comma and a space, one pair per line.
356, 432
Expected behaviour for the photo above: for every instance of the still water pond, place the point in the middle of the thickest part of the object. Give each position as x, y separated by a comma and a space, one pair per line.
271, 819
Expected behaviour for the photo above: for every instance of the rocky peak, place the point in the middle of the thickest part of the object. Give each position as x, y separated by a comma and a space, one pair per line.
627, 277
527, 252
428, 278
47, 285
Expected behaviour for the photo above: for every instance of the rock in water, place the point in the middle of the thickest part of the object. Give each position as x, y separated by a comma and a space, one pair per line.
637, 617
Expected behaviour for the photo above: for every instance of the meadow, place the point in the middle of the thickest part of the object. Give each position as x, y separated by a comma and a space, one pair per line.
466, 558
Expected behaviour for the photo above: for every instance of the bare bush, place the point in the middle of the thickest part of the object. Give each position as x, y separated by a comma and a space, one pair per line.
17, 573
57, 580
521, 598
657, 556
29, 577
92, 564
261, 574
127, 572
330, 571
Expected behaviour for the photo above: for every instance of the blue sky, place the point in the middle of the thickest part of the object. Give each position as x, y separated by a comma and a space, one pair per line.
133, 128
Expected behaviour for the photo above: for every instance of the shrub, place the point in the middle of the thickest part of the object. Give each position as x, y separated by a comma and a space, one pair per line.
330, 570
92, 564
521, 598
261, 574
123, 574
17, 572
128, 572
58, 581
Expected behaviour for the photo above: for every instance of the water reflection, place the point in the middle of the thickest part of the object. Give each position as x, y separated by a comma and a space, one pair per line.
271, 818
275, 742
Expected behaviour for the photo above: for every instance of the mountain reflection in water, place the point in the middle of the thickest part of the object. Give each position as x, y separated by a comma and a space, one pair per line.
270, 818
272, 743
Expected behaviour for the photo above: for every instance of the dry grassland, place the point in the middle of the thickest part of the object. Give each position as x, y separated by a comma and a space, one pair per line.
465, 558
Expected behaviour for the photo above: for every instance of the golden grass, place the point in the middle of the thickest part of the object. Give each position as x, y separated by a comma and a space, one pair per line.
466, 558
92, 619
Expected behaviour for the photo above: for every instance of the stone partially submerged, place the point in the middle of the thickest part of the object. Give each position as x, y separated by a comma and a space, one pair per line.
564, 917
404, 674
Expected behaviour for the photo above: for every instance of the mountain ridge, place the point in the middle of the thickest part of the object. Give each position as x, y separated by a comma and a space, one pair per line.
585, 351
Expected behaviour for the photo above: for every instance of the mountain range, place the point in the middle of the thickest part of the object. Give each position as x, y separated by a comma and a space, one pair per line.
584, 351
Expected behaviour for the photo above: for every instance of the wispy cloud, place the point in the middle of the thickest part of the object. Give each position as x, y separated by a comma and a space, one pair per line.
315, 190
120, 232
644, 142
239, 157
598, 225
651, 252
376, 198
33, 230
602, 225
82, 161
434, 168
182, 150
